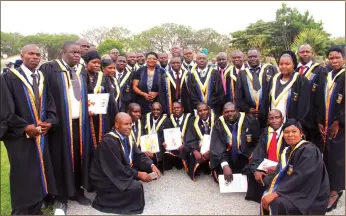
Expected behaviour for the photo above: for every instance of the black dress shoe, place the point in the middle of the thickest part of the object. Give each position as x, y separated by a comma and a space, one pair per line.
335, 204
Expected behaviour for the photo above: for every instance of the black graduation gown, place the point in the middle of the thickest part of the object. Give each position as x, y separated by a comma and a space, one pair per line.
60, 138
115, 100
171, 158
115, 180
186, 67
101, 124
231, 80
168, 89
334, 150
192, 140
303, 184
30, 179
136, 132
221, 150
255, 190
125, 85
159, 130
142, 75
213, 93
310, 127
298, 102
245, 99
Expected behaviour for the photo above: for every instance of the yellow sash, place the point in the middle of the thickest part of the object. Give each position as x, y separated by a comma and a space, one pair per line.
122, 146
286, 89
198, 130
229, 134
148, 126
184, 125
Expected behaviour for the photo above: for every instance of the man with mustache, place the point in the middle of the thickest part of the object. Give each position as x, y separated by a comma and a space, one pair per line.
27, 114
117, 166
270, 146
70, 144
233, 139
131, 62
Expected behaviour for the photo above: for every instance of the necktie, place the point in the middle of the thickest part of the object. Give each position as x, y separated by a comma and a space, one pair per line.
223, 79
206, 127
178, 122
272, 148
177, 90
36, 91
126, 150
302, 69
75, 84
134, 128
119, 77
255, 80
235, 149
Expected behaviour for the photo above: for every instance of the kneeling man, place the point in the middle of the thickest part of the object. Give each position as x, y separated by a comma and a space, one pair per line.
117, 165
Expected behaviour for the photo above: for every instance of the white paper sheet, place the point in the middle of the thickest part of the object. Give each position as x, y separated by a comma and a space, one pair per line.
150, 143
267, 163
172, 138
205, 143
98, 103
239, 184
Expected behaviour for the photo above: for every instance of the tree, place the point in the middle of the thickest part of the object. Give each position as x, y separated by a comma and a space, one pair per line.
316, 38
50, 44
118, 33
10, 43
108, 45
96, 35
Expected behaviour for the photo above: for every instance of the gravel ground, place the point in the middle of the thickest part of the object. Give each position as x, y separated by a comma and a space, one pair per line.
175, 193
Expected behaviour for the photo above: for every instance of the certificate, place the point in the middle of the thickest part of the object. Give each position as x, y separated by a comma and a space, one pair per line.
150, 143
267, 163
172, 138
98, 103
239, 184
205, 143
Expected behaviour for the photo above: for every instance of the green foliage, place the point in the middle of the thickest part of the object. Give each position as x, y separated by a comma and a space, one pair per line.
315, 37
108, 45
10, 43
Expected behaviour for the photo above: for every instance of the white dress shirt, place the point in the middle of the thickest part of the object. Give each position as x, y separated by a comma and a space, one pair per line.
28, 74
308, 66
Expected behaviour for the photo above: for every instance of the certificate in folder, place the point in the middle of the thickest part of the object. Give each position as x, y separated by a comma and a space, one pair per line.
239, 184
172, 138
98, 103
150, 143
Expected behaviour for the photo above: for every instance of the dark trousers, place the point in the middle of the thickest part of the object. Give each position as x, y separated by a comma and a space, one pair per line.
31, 210
313, 135
77, 163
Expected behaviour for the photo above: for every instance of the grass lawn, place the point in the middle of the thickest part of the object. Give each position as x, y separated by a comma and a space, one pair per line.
5, 208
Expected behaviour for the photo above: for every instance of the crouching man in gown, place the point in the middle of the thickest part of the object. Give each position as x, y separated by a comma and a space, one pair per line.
117, 166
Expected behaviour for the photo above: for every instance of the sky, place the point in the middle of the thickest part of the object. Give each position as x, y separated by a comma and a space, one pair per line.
224, 16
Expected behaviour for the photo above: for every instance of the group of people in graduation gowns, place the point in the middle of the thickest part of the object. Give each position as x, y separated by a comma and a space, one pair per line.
290, 114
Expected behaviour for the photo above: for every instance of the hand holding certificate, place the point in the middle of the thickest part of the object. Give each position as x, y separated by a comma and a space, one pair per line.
205, 146
98, 103
150, 143
267, 163
239, 184
172, 138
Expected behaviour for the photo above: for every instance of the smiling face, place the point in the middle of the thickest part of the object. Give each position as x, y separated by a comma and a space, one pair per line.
156, 110
237, 59
286, 65
131, 59
230, 113
109, 70
151, 60
292, 135
123, 124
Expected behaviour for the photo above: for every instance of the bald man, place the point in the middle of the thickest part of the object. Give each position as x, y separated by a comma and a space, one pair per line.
70, 145
222, 66
163, 59
117, 166
234, 137
270, 146
84, 48
205, 85
27, 114
140, 59
114, 53
311, 71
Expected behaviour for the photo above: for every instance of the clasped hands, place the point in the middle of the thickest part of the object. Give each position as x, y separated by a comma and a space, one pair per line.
32, 131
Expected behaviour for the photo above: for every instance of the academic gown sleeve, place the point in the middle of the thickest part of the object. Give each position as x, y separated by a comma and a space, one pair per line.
192, 85
141, 161
303, 186
109, 159
191, 138
319, 102
218, 95
304, 99
240, 93
259, 153
51, 116
11, 125
162, 94
218, 148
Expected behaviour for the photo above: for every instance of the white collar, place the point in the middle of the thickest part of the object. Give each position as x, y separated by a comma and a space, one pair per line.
192, 63
278, 131
308, 64
121, 136
205, 70
74, 67
206, 120
260, 66
27, 71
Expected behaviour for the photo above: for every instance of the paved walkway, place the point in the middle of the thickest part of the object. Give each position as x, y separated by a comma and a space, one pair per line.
175, 193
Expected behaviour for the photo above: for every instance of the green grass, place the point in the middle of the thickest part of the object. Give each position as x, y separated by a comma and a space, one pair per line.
5, 208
